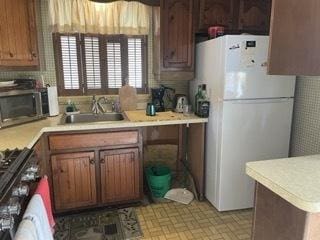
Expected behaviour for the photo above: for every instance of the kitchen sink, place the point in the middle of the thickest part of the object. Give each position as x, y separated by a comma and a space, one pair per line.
90, 117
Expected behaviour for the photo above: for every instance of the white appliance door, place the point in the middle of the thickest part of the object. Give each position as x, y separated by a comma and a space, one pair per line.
246, 70
252, 130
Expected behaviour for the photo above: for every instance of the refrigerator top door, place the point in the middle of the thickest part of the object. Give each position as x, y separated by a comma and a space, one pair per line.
245, 73
209, 67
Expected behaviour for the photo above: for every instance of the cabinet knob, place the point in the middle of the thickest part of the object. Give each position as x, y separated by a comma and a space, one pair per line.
33, 54
102, 161
10, 54
92, 161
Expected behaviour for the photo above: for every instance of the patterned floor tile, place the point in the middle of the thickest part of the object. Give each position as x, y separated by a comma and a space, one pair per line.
199, 220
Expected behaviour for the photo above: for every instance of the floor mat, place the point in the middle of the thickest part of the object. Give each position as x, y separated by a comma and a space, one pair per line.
118, 224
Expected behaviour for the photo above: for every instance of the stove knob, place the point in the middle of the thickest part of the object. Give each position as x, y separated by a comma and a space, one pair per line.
33, 168
20, 191
6, 222
13, 207
28, 176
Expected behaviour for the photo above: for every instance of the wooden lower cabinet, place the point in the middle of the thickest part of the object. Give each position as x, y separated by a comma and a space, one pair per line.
95, 168
277, 219
74, 180
120, 175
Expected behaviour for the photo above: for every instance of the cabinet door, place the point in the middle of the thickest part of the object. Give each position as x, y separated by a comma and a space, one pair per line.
177, 40
294, 38
120, 175
215, 13
18, 35
74, 180
254, 16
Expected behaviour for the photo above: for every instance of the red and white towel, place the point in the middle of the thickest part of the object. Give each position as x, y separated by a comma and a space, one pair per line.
37, 215
44, 191
37, 222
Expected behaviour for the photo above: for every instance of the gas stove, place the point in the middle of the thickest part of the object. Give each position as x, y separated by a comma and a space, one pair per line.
18, 170
10, 162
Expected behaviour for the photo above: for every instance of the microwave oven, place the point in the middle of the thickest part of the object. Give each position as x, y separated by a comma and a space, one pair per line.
20, 106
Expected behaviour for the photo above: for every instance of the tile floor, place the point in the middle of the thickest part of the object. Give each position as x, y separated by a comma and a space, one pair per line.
199, 220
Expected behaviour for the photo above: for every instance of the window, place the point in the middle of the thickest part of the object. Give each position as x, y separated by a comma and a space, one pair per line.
100, 64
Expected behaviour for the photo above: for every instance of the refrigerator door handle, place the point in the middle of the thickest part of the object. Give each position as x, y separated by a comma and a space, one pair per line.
259, 101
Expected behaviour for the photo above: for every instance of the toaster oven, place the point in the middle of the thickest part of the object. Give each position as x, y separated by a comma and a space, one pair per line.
20, 106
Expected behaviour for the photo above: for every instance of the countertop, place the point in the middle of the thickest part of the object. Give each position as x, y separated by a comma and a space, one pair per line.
297, 179
26, 135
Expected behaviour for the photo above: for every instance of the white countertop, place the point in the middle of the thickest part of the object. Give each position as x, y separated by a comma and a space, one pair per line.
296, 180
26, 135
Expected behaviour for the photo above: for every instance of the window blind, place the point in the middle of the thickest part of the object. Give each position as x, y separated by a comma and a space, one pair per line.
114, 64
92, 62
69, 57
135, 69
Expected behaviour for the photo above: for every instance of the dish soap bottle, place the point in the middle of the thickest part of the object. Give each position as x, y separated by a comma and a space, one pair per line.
71, 107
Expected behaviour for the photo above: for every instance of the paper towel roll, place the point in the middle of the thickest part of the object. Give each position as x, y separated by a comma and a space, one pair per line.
53, 101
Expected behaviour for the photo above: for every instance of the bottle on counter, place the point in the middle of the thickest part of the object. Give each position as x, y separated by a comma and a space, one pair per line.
71, 107
196, 98
203, 104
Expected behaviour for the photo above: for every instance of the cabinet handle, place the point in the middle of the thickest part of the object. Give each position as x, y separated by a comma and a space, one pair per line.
92, 161
102, 161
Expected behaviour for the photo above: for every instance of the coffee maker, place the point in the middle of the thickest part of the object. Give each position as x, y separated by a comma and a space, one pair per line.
157, 98
158, 95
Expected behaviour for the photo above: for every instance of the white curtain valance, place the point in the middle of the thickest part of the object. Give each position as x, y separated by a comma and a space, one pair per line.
84, 16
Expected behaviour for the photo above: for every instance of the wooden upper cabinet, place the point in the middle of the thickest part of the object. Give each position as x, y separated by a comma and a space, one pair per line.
18, 34
215, 13
236, 16
177, 39
294, 38
120, 175
254, 16
74, 180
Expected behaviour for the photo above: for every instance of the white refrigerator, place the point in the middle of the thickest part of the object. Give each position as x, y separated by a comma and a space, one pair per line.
250, 114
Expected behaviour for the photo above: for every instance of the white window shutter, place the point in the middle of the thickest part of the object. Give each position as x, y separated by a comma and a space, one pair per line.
92, 62
69, 57
135, 68
114, 64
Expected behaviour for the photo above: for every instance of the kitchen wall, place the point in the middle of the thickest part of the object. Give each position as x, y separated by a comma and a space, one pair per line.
305, 138
48, 65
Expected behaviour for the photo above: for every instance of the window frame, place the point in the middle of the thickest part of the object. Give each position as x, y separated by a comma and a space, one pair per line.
103, 39
58, 65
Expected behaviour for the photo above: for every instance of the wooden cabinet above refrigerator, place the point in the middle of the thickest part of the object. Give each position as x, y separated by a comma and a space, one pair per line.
236, 16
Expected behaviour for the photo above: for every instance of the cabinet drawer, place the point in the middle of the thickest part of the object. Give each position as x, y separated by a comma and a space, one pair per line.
71, 141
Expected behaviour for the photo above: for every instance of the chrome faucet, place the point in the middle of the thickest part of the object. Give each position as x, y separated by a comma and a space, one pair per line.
97, 106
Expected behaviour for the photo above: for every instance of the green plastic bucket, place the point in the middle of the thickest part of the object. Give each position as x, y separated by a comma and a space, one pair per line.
159, 180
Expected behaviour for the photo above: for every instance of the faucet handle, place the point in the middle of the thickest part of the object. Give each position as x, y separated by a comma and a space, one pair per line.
113, 106
100, 107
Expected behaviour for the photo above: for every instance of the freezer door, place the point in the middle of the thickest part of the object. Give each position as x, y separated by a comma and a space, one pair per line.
246, 70
251, 131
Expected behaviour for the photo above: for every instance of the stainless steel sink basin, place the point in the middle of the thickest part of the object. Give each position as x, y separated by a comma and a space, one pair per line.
90, 117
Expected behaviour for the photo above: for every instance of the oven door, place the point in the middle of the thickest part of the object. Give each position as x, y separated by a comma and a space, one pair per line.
19, 107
